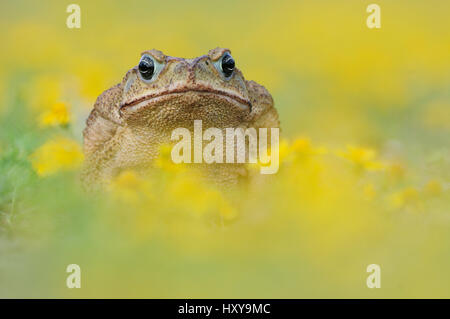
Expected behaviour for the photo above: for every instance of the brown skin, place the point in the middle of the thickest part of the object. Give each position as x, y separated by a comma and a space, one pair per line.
132, 119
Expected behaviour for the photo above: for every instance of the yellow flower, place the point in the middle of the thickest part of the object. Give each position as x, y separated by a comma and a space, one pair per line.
128, 186
264, 159
164, 160
299, 149
190, 193
406, 197
193, 194
302, 147
362, 157
59, 154
227, 211
57, 115
284, 150
433, 188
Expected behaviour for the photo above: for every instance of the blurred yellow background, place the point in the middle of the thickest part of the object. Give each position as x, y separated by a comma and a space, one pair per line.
365, 163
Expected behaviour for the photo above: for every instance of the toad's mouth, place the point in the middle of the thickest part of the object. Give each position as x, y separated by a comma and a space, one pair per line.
153, 98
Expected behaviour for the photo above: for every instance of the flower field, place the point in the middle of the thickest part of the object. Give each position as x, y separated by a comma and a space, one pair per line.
364, 172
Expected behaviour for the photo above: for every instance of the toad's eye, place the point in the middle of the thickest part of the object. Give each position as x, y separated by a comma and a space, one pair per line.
227, 65
146, 67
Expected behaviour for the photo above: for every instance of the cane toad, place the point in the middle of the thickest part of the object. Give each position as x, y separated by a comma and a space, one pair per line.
133, 118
